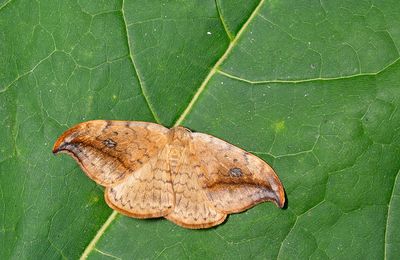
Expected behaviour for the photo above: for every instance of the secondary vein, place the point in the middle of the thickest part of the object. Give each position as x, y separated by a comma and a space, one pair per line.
141, 84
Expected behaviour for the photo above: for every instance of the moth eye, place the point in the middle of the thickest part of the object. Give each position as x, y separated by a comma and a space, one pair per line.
110, 143
236, 172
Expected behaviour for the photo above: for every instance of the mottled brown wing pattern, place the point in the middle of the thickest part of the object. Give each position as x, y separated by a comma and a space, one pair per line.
108, 151
192, 209
233, 179
147, 193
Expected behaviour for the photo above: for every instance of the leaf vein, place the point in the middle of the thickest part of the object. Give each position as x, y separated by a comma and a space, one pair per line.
98, 235
228, 33
294, 81
141, 83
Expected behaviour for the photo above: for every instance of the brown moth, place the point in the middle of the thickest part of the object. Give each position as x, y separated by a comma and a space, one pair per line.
195, 180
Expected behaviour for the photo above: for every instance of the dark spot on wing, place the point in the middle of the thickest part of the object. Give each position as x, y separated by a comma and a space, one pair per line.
109, 143
236, 172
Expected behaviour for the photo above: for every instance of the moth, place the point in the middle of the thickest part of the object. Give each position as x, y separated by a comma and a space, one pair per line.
192, 179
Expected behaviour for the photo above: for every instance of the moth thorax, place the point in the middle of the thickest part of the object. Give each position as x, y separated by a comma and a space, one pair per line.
175, 156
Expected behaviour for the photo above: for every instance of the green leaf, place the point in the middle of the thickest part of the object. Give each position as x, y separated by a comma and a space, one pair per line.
312, 87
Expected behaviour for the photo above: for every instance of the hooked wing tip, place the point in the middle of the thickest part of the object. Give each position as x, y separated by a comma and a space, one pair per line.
280, 197
281, 201
277, 190
58, 145
67, 137
64, 140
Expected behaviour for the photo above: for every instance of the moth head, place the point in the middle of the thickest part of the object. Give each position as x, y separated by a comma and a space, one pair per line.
180, 133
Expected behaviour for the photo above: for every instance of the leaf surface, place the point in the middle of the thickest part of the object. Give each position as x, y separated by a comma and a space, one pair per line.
310, 87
